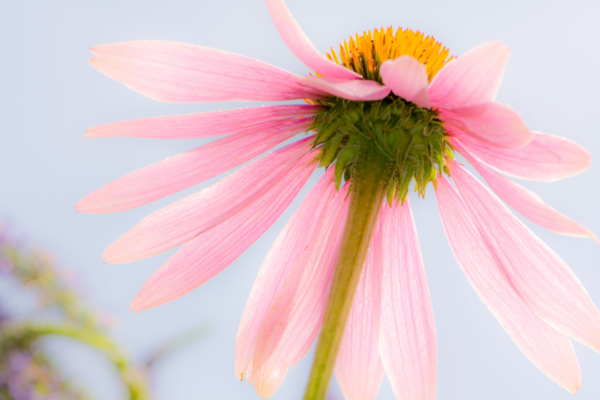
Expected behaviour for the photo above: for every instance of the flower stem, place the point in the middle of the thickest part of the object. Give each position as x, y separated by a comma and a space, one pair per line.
370, 179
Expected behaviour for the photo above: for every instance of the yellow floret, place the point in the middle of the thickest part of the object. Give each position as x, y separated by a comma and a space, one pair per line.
364, 54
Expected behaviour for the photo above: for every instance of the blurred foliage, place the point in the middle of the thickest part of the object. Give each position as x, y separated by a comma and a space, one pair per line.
26, 373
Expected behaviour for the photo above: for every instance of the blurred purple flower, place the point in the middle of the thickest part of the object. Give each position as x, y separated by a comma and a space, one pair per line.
27, 377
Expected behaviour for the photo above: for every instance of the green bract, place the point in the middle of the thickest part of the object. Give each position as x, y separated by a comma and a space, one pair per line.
409, 139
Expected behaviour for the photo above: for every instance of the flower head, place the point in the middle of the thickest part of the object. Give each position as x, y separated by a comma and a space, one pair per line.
387, 111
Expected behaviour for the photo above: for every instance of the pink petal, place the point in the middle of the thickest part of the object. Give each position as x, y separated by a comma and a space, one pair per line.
189, 217
472, 79
550, 350
358, 367
293, 321
285, 252
212, 251
407, 78
374, 264
187, 169
537, 274
407, 341
527, 203
179, 72
194, 126
492, 124
546, 158
352, 90
301, 46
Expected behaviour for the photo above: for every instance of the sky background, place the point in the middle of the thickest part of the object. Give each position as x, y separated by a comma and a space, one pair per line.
49, 96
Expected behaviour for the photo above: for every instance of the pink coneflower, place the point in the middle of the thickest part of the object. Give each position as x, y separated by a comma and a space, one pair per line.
386, 113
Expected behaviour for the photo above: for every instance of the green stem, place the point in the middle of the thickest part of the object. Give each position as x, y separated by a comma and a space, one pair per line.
370, 179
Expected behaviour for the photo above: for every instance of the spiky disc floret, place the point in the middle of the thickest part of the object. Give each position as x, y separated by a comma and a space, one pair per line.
365, 53
411, 140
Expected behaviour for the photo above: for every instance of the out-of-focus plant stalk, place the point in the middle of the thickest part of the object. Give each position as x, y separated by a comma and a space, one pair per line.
35, 271
20, 336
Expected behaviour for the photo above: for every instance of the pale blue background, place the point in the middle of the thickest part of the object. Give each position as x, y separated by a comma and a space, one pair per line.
49, 96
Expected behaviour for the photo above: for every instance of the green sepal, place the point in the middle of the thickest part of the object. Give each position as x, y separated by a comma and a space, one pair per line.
347, 156
405, 178
427, 170
347, 173
324, 134
391, 194
330, 150
449, 153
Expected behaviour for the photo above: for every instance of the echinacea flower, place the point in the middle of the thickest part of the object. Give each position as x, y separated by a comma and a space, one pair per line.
388, 112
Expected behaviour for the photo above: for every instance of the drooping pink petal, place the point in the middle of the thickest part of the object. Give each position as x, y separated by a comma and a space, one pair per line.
527, 203
293, 321
301, 45
189, 217
374, 263
407, 340
285, 252
535, 272
546, 158
179, 72
195, 126
187, 169
492, 124
250, 373
358, 366
550, 350
471, 79
209, 253
407, 78
365, 90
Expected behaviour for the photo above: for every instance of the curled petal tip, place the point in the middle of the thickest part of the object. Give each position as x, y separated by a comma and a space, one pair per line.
407, 78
